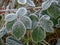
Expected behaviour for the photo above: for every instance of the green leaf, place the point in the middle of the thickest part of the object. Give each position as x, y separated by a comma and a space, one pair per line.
0, 42
54, 10
47, 25
34, 19
44, 12
19, 29
54, 21
12, 41
27, 21
38, 34
9, 25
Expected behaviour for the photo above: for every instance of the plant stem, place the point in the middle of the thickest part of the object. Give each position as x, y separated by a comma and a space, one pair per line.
27, 43
46, 42
42, 43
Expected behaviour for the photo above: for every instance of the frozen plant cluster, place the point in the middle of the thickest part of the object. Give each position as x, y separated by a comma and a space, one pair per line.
23, 20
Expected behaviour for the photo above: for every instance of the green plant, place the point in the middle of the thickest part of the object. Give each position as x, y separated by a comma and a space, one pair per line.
24, 26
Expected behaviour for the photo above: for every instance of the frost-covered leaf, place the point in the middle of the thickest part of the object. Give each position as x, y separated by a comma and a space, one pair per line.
58, 25
22, 1
46, 17
58, 42
12, 41
19, 29
9, 25
34, 19
54, 10
46, 4
58, 2
30, 3
3, 31
10, 17
21, 11
38, 34
27, 22
47, 25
